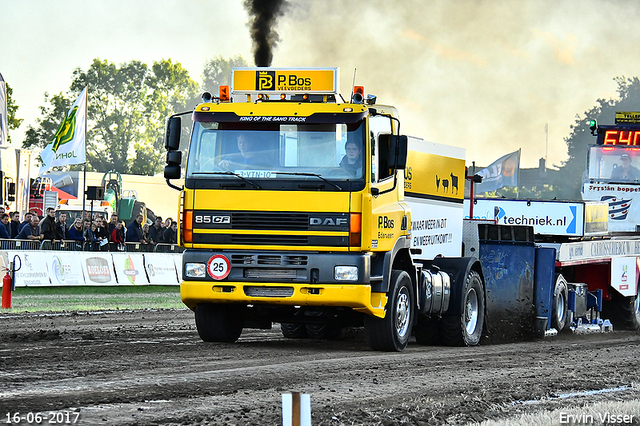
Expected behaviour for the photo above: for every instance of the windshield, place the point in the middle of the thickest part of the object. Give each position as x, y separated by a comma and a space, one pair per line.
613, 164
328, 151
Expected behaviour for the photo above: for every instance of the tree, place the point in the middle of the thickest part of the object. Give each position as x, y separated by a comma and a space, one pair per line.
127, 109
580, 138
12, 122
217, 71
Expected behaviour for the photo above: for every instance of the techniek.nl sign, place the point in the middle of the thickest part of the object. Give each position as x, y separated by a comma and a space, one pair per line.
549, 218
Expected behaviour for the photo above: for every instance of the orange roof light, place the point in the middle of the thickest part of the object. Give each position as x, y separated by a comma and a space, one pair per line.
224, 93
358, 89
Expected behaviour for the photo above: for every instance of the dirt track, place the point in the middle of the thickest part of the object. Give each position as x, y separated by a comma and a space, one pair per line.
150, 367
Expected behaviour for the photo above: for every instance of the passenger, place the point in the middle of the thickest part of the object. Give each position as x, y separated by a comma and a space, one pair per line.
146, 238
88, 231
625, 171
30, 231
248, 155
171, 234
112, 223
134, 230
48, 225
14, 224
62, 230
4, 226
352, 161
117, 235
156, 230
27, 221
76, 231
101, 232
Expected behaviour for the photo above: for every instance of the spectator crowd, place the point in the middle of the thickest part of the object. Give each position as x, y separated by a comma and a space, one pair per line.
94, 228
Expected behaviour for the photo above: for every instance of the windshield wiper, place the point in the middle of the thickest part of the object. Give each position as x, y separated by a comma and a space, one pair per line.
255, 185
310, 174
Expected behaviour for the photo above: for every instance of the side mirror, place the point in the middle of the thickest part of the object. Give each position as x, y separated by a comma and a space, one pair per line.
172, 170
398, 148
172, 134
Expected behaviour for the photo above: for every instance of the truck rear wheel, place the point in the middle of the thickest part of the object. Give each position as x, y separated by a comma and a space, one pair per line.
219, 322
392, 332
465, 329
559, 304
624, 312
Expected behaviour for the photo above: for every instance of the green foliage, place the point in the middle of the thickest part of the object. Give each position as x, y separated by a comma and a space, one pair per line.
127, 108
572, 170
217, 71
12, 108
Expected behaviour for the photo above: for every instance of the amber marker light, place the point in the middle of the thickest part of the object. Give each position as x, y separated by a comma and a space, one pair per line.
224, 93
187, 226
355, 228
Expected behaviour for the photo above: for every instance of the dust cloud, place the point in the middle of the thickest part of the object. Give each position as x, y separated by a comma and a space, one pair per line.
485, 75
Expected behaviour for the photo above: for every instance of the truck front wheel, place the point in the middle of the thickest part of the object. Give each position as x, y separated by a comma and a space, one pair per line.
219, 322
624, 312
465, 329
392, 332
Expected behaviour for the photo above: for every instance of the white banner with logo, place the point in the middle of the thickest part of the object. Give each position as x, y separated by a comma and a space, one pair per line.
60, 268
130, 268
33, 270
98, 268
161, 268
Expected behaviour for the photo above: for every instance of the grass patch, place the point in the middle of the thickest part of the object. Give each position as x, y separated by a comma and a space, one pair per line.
59, 299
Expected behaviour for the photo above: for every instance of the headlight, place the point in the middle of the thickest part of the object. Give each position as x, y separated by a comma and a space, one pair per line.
345, 273
195, 270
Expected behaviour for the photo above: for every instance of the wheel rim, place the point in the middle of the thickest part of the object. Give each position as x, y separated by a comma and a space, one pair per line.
471, 311
403, 311
560, 302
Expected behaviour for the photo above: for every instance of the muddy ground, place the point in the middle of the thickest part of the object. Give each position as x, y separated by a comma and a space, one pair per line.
150, 368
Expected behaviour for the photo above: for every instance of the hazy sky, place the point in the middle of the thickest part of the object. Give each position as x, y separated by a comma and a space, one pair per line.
486, 75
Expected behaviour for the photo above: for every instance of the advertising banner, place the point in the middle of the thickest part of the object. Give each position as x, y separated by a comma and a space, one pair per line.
436, 228
129, 268
65, 268
546, 217
624, 209
161, 269
98, 268
33, 270
624, 275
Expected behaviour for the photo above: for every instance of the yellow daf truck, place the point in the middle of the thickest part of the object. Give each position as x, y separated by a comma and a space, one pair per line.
311, 210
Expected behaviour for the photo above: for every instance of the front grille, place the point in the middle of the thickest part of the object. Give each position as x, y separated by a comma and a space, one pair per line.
270, 220
269, 239
258, 291
269, 259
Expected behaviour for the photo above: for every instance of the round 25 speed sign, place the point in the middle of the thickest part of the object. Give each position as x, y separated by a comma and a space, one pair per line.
218, 267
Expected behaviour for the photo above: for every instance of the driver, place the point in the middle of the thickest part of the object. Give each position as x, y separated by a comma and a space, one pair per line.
352, 161
248, 155
625, 171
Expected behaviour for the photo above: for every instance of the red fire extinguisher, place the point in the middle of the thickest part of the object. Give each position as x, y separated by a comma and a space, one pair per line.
6, 291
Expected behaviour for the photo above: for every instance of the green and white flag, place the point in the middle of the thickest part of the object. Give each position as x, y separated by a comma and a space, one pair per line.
68, 145
3, 113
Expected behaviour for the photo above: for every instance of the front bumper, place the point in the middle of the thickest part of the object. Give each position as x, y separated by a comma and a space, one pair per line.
307, 279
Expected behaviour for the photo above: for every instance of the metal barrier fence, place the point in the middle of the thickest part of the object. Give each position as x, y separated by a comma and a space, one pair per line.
73, 245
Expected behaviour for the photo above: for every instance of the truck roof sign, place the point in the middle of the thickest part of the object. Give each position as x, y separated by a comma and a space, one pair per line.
627, 117
284, 80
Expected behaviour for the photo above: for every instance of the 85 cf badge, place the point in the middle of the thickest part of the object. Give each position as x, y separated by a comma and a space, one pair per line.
218, 267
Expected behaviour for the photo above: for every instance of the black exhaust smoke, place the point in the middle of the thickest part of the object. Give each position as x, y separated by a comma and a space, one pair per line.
263, 18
